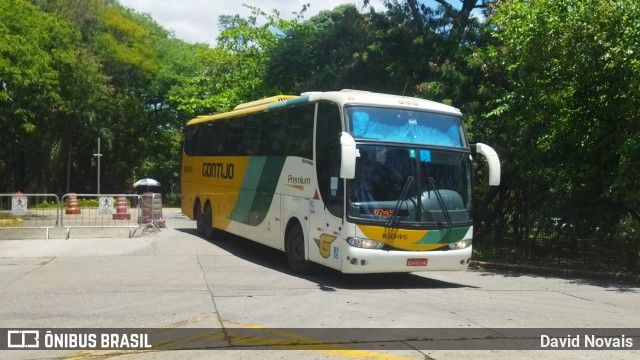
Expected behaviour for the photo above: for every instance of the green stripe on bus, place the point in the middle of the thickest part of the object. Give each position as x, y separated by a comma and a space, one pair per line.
299, 100
444, 236
258, 187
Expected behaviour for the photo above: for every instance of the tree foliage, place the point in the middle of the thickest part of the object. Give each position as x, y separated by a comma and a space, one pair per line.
553, 85
566, 80
71, 72
235, 68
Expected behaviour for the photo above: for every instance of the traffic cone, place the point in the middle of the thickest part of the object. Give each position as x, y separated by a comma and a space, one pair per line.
157, 211
121, 209
146, 209
72, 205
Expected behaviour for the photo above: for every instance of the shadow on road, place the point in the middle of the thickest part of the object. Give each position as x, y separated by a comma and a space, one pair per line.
607, 281
326, 278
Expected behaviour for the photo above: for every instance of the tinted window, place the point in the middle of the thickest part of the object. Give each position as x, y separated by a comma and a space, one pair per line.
406, 126
328, 157
285, 131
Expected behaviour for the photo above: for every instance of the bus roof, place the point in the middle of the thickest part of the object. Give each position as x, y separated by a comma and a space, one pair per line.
342, 98
254, 106
368, 98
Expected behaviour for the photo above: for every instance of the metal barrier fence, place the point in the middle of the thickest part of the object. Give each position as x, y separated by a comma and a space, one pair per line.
100, 211
562, 246
29, 211
48, 211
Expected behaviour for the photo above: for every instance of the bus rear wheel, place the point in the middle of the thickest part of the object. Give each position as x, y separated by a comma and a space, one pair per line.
294, 248
207, 222
198, 216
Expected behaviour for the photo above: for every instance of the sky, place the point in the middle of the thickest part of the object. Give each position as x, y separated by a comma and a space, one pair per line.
197, 20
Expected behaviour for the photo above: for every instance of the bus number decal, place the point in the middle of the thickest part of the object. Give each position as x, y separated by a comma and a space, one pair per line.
389, 236
383, 212
218, 170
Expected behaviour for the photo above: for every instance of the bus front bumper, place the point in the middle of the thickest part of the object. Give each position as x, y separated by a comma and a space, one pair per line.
358, 260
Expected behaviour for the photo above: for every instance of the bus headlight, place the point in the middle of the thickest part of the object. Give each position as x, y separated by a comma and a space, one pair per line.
365, 243
462, 244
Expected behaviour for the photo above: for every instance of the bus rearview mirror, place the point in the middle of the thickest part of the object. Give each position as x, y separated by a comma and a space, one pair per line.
492, 160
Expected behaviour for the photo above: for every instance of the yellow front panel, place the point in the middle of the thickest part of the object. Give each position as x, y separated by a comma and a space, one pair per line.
407, 239
216, 179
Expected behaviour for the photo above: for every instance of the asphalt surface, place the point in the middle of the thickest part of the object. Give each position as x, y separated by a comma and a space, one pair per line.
172, 279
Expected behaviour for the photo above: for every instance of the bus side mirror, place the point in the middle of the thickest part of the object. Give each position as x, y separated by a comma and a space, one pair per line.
492, 160
348, 156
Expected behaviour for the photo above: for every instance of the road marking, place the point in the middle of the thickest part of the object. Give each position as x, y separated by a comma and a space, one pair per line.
302, 342
235, 339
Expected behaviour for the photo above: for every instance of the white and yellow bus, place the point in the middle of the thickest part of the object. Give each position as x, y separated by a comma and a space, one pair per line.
357, 181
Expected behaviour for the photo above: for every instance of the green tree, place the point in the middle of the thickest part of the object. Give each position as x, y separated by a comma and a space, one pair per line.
327, 52
234, 70
408, 48
148, 120
72, 71
568, 78
46, 81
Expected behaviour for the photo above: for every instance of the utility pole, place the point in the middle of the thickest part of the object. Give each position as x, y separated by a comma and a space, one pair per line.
98, 155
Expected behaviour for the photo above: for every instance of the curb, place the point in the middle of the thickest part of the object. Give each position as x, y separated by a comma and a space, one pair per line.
566, 273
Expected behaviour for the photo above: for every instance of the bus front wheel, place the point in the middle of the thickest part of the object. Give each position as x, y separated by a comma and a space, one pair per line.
294, 248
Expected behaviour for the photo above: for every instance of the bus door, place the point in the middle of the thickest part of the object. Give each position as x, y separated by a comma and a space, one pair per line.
326, 228
328, 205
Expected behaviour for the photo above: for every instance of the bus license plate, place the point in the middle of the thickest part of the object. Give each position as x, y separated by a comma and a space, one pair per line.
417, 262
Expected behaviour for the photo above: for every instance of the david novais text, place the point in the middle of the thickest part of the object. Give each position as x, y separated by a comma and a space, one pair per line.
586, 342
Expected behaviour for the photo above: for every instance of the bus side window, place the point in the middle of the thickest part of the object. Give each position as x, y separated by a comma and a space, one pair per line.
328, 128
300, 130
275, 143
253, 132
205, 131
218, 138
233, 139
190, 139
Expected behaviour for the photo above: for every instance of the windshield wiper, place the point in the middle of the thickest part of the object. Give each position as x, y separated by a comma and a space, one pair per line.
445, 211
403, 196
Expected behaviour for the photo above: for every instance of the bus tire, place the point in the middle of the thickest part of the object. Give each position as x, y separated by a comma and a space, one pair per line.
197, 211
207, 223
294, 248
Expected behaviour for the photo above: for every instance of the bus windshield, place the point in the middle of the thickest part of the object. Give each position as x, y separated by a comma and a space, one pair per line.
400, 125
411, 186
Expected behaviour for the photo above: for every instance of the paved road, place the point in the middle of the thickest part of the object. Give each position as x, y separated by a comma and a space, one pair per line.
174, 279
